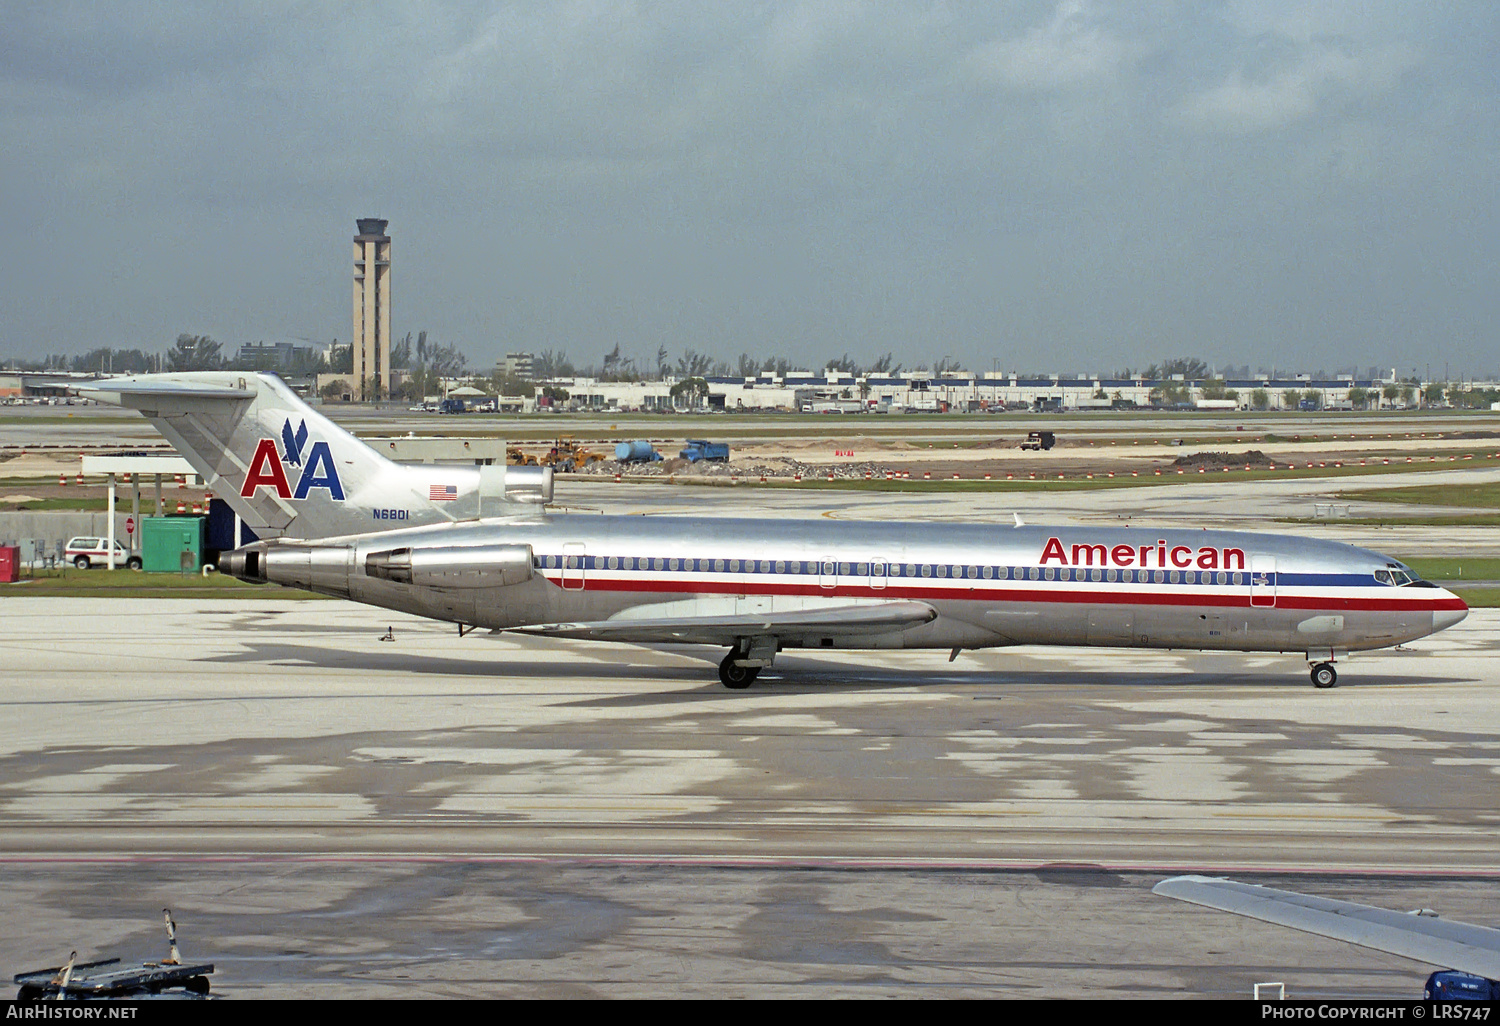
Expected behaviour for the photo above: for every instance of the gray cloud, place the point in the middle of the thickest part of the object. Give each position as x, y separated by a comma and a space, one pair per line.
1049, 185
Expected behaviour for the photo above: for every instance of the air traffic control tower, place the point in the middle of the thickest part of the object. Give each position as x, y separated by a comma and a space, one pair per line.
372, 310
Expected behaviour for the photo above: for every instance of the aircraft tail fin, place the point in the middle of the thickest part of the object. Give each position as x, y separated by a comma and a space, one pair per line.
287, 469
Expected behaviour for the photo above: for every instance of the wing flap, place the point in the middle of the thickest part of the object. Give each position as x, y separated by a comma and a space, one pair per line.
832, 621
1441, 942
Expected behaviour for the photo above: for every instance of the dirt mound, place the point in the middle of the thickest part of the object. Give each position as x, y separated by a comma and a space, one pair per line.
771, 467
1251, 457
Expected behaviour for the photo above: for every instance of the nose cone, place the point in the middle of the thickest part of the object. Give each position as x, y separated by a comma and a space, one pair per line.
1454, 609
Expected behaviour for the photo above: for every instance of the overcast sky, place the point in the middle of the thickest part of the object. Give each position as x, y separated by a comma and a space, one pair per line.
1035, 185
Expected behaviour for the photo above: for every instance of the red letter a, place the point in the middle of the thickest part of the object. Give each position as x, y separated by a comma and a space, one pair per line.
265, 469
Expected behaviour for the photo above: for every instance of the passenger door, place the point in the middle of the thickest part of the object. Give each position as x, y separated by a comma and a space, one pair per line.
1262, 581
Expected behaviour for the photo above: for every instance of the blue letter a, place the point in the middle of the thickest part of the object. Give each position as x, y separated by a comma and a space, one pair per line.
320, 473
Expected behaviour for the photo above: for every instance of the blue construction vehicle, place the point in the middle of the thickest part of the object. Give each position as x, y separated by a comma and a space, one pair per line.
697, 449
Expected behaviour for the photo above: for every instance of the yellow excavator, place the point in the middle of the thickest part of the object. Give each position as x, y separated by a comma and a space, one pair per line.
567, 455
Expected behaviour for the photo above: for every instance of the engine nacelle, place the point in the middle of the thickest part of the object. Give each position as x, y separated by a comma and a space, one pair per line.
453, 566
326, 568
531, 485
321, 568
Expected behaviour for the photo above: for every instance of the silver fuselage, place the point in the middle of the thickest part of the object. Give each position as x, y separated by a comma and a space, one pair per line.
990, 585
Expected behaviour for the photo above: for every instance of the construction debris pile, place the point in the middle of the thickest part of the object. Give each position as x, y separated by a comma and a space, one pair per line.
1251, 458
769, 467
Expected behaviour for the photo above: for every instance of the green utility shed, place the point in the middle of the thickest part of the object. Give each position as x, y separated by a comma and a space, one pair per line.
165, 539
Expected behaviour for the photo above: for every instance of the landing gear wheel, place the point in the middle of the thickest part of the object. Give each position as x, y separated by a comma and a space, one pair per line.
736, 677
1324, 675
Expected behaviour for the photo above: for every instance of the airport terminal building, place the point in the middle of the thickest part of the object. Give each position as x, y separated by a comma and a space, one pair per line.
835, 391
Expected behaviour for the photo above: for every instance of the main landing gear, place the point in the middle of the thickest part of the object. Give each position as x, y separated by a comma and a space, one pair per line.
745, 661
1324, 675
737, 677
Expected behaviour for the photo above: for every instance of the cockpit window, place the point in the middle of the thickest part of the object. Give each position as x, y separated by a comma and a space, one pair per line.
1397, 577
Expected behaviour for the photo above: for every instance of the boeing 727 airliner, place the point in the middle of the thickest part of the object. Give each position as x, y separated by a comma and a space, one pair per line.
477, 547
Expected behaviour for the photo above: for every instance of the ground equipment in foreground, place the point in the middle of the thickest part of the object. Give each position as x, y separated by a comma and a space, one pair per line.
111, 979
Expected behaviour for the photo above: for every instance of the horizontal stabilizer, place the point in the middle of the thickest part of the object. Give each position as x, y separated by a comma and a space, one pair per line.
126, 389
1426, 938
830, 621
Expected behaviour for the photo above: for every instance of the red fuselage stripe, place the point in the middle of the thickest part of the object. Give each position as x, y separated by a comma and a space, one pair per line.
1026, 595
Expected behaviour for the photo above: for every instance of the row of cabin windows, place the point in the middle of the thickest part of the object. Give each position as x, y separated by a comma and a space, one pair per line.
929, 570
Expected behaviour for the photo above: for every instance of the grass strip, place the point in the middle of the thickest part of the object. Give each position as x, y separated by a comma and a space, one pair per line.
1485, 495
1456, 568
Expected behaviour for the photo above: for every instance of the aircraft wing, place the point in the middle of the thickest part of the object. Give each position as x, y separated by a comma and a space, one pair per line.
828, 621
1426, 938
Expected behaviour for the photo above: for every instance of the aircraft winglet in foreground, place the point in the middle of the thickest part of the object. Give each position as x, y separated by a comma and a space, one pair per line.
1473, 951
476, 546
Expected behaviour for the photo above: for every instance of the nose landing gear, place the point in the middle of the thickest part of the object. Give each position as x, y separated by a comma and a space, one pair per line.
1324, 675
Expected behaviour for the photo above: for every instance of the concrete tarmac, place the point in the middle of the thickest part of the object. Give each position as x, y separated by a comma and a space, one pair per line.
332, 815
329, 814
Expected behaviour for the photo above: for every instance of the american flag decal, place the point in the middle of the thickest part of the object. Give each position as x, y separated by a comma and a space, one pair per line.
441, 493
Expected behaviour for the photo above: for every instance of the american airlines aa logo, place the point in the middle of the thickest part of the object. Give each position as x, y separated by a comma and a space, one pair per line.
318, 469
